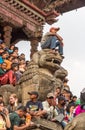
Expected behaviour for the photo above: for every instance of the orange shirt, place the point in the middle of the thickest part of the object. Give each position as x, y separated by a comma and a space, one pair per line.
8, 64
28, 118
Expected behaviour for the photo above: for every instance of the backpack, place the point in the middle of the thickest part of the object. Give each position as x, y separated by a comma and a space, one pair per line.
82, 96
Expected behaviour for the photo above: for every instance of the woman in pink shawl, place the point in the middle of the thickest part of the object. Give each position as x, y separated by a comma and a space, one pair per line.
81, 107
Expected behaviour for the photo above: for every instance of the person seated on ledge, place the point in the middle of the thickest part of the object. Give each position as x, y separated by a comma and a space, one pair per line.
3, 74
52, 40
8, 77
49, 107
35, 107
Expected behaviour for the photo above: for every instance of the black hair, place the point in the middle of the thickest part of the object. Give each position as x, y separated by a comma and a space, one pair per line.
61, 97
68, 91
1, 96
23, 108
58, 88
3, 116
69, 106
12, 45
71, 95
15, 48
22, 54
14, 65
74, 96
5, 52
2, 102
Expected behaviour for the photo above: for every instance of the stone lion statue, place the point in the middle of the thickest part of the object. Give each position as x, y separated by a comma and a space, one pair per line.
44, 73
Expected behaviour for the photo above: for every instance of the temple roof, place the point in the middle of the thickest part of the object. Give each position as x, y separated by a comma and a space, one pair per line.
61, 6
27, 17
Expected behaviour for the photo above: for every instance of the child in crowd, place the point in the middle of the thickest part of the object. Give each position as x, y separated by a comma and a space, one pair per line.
12, 73
13, 65
69, 114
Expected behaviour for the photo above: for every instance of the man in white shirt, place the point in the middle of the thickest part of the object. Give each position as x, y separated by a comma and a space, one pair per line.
49, 106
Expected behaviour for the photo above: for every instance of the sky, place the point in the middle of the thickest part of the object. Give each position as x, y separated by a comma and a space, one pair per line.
72, 29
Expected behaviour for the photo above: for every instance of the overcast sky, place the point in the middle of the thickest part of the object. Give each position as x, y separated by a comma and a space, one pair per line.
72, 29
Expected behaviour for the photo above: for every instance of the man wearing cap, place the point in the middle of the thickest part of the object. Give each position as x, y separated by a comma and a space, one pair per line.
49, 106
34, 107
60, 107
52, 40
61, 104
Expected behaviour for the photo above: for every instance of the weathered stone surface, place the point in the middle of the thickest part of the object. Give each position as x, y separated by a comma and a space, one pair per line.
43, 124
7, 89
44, 74
78, 123
61, 73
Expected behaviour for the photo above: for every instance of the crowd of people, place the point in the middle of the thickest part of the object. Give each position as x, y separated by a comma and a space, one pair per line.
12, 65
59, 106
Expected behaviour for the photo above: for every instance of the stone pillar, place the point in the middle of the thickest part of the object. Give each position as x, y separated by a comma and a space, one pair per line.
7, 34
34, 44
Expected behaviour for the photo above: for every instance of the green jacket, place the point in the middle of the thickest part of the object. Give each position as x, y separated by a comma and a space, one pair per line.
2, 72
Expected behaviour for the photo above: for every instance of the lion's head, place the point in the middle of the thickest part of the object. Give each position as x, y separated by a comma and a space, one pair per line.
47, 59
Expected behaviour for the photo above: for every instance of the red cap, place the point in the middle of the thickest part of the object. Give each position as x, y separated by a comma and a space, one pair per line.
53, 28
